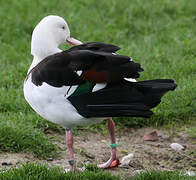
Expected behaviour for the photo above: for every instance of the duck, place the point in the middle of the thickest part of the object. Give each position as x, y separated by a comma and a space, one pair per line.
86, 84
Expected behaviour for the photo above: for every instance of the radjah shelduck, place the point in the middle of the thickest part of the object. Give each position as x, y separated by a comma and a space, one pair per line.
86, 84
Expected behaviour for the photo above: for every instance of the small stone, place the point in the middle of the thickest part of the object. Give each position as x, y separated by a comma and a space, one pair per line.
138, 171
152, 136
49, 159
190, 173
176, 146
6, 163
104, 141
126, 159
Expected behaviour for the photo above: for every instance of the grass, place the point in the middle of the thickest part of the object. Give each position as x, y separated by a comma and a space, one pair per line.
21, 136
161, 35
42, 172
156, 175
192, 132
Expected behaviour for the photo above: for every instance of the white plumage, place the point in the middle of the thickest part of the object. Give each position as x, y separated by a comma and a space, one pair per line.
48, 101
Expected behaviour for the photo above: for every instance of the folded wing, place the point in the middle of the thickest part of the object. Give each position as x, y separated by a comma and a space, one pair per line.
97, 61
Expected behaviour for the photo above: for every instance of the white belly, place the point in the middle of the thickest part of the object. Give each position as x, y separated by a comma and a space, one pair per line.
51, 103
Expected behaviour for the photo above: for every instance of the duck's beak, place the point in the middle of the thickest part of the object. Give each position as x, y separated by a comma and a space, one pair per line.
71, 41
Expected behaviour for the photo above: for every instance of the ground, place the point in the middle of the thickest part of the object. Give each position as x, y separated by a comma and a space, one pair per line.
92, 147
160, 35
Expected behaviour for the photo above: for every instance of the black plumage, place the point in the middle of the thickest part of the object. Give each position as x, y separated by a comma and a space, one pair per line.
99, 64
97, 61
126, 99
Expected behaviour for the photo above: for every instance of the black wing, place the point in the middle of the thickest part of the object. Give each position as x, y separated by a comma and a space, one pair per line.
97, 61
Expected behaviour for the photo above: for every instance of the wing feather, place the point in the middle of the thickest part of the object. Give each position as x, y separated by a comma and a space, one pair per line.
98, 62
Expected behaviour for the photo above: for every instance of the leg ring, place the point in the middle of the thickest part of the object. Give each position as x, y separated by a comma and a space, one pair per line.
71, 162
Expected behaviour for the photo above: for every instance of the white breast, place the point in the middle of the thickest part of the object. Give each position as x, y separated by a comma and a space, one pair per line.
51, 103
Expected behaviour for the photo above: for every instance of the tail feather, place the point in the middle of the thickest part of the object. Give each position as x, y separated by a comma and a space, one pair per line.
119, 113
128, 99
154, 90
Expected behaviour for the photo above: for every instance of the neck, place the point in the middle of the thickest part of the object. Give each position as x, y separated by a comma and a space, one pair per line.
38, 59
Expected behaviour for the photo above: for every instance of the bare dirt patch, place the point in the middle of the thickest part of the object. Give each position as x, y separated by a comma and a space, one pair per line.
94, 148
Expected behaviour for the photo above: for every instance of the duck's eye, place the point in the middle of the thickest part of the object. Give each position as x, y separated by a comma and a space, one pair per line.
63, 27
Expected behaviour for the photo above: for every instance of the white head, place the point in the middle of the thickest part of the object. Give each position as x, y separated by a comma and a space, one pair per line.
49, 34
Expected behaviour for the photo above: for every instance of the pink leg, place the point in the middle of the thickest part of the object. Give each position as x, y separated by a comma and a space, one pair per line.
69, 142
113, 161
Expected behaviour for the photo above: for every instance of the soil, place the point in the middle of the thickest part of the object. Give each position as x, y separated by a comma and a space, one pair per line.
91, 147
